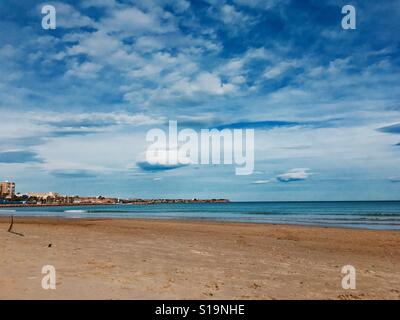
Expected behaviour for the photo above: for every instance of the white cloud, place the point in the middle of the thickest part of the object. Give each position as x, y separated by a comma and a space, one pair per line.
130, 20
236, 69
262, 181
296, 174
96, 44
259, 4
180, 5
68, 17
148, 44
149, 70
8, 51
162, 160
279, 69
86, 70
205, 119
204, 82
232, 16
95, 119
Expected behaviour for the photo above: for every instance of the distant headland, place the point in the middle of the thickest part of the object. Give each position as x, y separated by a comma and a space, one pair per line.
87, 201
8, 198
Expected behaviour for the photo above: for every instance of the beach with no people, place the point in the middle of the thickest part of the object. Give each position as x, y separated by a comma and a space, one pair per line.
172, 259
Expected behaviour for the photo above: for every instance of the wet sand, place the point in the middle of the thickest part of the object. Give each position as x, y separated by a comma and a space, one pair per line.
154, 259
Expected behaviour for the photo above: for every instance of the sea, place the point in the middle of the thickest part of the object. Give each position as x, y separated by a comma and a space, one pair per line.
379, 215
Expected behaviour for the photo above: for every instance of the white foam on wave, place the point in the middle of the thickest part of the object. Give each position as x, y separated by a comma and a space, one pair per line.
7, 210
75, 211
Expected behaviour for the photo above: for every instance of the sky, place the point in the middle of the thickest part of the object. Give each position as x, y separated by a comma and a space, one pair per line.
77, 102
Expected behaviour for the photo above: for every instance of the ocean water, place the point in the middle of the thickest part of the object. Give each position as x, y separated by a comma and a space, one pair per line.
366, 215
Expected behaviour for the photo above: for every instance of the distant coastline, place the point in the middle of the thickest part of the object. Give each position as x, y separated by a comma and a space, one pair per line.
119, 201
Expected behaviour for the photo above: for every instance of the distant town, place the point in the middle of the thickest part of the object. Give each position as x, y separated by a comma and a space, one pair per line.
8, 197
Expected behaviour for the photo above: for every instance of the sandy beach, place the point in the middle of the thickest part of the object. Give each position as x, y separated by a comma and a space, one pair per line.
153, 259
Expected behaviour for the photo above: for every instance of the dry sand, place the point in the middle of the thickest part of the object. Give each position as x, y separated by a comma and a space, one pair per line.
149, 259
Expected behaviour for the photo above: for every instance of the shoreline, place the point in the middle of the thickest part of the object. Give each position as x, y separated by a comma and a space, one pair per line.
111, 258
64, 219
188, 220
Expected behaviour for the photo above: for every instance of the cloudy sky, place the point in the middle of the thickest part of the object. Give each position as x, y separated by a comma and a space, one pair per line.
76, 102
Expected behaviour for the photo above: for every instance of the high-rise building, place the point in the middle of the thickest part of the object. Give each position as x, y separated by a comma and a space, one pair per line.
7, 189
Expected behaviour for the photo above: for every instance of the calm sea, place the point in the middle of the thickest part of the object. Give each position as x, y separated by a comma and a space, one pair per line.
369, 214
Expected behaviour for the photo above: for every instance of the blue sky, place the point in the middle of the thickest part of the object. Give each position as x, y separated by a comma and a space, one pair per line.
76, 102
